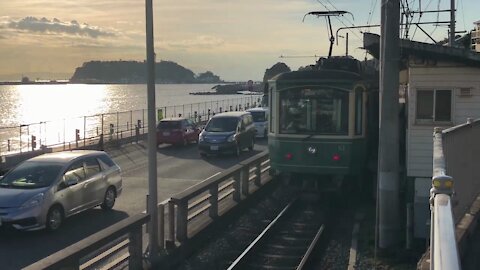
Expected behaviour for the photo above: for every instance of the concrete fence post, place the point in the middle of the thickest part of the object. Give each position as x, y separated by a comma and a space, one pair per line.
237, 195
258, 174
213, 211
244, 177
161, 226
135, 249
182, 221
170, 243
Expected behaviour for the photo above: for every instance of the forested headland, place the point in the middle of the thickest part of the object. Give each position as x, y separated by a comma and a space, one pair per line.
135, 72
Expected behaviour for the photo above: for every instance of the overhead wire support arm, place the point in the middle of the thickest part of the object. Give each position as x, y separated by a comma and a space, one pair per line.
328, 14
378, 25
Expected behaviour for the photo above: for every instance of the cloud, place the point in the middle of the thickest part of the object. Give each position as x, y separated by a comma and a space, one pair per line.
45, 25
203, 41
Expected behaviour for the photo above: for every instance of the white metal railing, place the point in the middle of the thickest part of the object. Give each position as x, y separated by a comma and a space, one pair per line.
78, 131
443, 244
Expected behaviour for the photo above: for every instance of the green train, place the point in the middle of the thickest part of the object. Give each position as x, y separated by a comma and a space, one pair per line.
324, 121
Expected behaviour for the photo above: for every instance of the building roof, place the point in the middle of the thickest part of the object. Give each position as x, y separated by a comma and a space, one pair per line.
371, 42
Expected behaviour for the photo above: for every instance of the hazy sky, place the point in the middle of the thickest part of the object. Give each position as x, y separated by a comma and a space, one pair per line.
236, 40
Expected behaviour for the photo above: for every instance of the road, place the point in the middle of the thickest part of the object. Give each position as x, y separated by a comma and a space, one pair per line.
178, 169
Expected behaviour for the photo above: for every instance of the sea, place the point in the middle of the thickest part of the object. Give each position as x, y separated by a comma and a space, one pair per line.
51, 112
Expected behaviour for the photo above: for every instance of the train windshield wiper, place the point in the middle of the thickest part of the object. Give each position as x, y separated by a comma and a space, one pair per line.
308, 137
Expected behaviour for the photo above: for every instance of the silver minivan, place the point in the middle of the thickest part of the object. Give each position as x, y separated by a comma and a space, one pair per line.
260, 120
40, 192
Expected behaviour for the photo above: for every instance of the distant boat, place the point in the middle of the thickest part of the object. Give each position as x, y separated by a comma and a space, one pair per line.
249, 93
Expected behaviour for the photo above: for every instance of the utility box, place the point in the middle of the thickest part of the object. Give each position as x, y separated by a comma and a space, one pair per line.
421, 206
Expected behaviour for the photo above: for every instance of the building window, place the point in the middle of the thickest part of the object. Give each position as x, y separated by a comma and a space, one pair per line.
434, 106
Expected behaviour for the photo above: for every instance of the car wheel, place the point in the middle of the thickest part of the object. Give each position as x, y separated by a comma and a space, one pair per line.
54, 218
109, 199
252, 143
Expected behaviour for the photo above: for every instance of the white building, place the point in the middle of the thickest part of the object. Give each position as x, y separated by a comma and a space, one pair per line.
476, 37
442, 90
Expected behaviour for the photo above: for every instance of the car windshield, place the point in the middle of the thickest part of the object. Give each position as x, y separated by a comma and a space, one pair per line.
222, 124
258, 116
31, 174
169, 125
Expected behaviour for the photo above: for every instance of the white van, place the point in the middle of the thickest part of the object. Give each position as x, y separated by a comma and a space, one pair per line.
260, 120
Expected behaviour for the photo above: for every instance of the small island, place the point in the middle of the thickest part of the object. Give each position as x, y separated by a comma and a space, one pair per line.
134, 72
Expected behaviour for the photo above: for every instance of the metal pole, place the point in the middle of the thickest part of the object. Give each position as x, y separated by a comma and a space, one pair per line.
388, 160
152, 145
346, 45
451, 40
64, 134
20, 139
84, 130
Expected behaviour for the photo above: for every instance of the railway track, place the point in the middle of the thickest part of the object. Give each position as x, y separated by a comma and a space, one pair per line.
287, 242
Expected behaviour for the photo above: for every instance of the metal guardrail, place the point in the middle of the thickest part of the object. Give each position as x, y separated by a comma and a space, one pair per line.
443, 244
98, 131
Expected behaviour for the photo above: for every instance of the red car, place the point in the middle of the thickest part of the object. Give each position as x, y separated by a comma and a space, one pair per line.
177, 130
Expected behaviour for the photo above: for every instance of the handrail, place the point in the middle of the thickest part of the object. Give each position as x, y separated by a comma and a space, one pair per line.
209, 193
69, 258
443, 244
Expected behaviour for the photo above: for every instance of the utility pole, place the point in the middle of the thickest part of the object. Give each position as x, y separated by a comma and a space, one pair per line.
388, 151
451, 39
152, 138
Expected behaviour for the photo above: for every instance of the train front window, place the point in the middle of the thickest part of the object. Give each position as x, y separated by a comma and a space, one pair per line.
321, 111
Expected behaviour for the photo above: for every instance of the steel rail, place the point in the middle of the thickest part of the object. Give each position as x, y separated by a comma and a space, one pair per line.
260, 237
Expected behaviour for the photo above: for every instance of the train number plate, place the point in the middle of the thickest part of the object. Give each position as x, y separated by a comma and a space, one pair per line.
214, 147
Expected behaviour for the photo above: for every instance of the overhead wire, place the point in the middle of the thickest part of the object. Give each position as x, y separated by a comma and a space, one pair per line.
372, 11
463, 15
373, 5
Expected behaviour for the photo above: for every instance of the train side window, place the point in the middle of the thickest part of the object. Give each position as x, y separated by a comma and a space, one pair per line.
358, 111
433, 106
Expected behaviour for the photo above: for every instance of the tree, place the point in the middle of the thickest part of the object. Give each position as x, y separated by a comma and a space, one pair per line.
208, 77
275, 70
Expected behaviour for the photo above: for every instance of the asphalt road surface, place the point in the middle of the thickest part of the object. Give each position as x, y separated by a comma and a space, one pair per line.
178, 168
